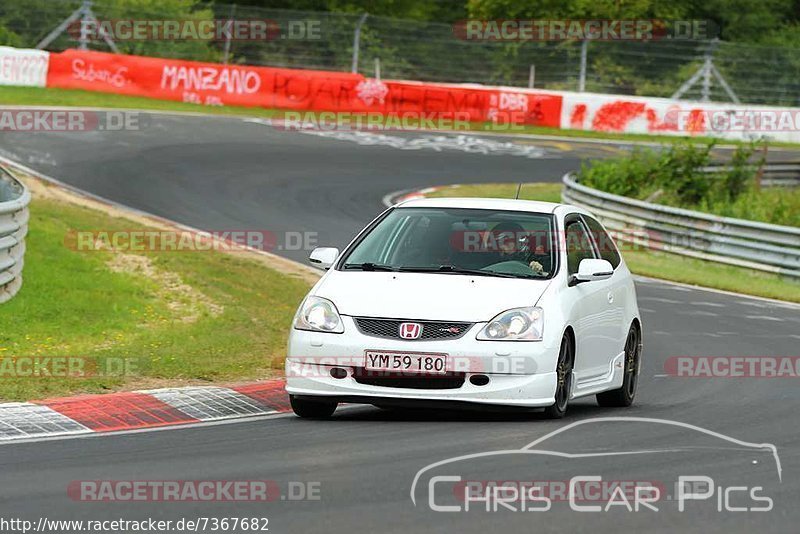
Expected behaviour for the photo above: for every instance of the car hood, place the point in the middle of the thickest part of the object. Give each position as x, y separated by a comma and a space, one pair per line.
427, 296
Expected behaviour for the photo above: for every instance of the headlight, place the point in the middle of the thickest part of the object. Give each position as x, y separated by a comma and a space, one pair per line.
518, 324
318, 314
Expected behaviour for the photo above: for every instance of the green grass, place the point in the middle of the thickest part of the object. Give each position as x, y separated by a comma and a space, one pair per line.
73, 303
531, 191
650, 263
35, 96
774, 205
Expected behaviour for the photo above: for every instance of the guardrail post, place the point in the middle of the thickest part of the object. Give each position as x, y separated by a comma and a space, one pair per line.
357, 42
582, 75
227, 50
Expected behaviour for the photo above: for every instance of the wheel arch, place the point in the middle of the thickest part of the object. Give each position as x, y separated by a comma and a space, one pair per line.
638, 324
570, 333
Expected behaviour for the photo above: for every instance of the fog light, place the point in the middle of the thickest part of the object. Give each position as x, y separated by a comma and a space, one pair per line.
479, 380
338, 373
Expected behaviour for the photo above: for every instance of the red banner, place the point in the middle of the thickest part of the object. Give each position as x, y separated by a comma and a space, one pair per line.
201, 83
238, 85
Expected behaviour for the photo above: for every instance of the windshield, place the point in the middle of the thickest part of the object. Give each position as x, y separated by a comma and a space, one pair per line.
458, 241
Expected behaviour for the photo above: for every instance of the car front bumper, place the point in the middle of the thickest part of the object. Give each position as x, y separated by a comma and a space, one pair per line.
519, 373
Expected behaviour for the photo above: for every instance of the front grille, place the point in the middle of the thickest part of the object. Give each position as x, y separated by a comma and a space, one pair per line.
408, 381
390, 328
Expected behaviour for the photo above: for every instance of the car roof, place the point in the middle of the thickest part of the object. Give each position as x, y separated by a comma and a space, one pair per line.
533, 206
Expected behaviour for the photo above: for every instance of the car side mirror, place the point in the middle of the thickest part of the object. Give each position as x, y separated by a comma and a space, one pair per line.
592, 270
324, 257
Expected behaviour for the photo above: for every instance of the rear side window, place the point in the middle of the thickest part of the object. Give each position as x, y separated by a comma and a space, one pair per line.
608, 251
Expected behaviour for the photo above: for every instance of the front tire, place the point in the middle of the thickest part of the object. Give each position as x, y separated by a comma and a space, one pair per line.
312, 409
566, 361
623, 397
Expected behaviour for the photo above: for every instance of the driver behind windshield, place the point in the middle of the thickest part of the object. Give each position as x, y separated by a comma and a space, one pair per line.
512, 243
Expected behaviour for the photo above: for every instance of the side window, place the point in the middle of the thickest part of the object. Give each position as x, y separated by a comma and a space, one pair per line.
608, 251
579, 246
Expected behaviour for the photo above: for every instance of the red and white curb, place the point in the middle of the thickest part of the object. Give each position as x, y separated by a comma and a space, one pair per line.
114, 412
401, 196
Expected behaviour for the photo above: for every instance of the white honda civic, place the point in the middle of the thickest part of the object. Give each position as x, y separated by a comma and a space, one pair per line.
468, 302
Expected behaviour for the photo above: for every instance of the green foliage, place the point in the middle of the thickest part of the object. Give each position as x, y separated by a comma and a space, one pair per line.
679, 172
734, 182
199, 50
414, 39
738, 20
658, 68
24, 23
673, 176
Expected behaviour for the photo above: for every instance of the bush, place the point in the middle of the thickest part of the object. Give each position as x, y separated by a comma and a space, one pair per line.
673, 176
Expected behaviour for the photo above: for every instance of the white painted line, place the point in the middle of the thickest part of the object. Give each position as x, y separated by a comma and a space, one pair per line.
764, 318
608, 141
660, 299
710, 304
754, 304
701, 313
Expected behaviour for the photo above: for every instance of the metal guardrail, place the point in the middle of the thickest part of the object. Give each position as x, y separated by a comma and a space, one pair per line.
751, 244
14, 200
774, 174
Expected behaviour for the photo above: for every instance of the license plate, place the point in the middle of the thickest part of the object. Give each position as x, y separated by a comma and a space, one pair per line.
405, 362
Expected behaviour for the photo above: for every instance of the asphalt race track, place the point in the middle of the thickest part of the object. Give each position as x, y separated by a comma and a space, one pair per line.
227, 173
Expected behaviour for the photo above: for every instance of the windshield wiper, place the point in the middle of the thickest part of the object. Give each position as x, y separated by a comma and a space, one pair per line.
369, 266
458, 270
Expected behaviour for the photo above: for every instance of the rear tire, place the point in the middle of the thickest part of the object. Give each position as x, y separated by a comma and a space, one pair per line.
623, 397
566, 360
312, 409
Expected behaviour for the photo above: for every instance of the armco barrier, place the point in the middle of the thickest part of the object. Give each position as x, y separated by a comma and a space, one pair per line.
774, 174
755, 245
14, 199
